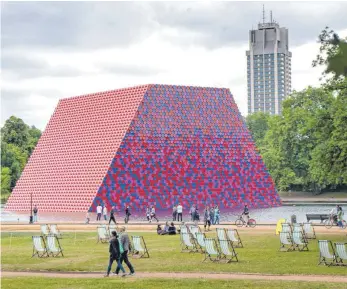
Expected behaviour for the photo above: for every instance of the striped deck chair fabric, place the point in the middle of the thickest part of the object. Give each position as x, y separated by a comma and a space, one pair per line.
309, 231
188, 243
200, 240
324, 253
341, 254
103, 235
193, 229
297, 228
139, 247
228, 253
299, 241
55, 231
234, 237
53, 246
212, 251
39, 247
286, 241
221, 234
184, 229
286, 228
44, 230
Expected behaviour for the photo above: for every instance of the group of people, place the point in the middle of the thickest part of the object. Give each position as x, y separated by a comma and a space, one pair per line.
337, 215
150, 214
169, 229
119, 248
211, 215
102, 211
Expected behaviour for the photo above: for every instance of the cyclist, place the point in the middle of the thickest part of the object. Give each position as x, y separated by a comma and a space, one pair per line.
333, 214
246, 214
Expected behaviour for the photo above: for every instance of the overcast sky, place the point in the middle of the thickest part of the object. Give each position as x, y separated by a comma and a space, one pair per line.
53, 50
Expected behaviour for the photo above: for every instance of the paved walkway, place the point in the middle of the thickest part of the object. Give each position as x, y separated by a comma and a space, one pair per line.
179, 275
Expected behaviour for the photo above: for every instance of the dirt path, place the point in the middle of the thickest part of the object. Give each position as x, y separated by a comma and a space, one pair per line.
179, 275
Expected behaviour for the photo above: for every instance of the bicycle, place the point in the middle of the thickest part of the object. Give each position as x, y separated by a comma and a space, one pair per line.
332, 221
241, 222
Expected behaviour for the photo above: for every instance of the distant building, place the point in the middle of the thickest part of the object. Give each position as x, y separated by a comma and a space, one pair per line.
268, 67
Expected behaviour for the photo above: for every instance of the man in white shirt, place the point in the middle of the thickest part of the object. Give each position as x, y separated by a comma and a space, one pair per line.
104, 212
179, 212
98, 211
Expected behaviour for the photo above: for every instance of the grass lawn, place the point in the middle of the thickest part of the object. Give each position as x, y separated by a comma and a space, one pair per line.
128, 283
259, 255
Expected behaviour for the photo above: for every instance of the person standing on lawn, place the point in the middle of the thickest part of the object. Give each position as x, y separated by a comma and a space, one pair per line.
115, 254
179, 212
125, 242
207, 219
127, 214
112, 217
98, 212
35, 210
104, 212
216, 215
174, 213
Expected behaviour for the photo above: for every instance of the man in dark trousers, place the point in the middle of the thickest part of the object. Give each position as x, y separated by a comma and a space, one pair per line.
127, 215
112, 218
125, 242
115, 253
35, 214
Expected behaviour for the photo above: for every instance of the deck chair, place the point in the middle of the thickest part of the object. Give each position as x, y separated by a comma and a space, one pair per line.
227, 251
189, 244
309, 231
200, 241
221, 235
193, 229
52, 248
212, 251
341, 254
44, 230
55, 231
299, 241
286, 240
234, 237
297, 228
112, 228
39, 247
139, 247
183, 230
103, 235
286, 228
324, 253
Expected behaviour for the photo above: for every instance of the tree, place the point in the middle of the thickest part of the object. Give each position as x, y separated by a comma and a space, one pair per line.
5, 180
257, 123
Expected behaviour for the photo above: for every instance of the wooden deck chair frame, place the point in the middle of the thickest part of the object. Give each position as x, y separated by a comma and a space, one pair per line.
341, 253
208, 254
227, 250
239, 242
137, 253
188, 247
57, 232
103, 239
286, 236
50, 252
299, 236
44, 247
199, 245
47, 228
313, 231
323, 259
192, 232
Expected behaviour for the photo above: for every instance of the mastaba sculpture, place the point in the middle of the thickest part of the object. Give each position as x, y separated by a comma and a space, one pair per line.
147, 145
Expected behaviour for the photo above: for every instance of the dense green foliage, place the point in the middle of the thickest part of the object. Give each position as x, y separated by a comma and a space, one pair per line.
306, 147
18, 141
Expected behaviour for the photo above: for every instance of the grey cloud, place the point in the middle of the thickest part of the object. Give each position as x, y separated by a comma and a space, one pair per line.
23, 67
89, 25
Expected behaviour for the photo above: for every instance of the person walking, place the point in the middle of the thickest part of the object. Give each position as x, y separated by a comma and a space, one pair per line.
148, 214
127, 215
104, 212
35, 210
207, 219
112, 217
340, 217
192, 213
125, 242
153, 215
179, 212
174, 213
87, 218
216, 215
212, 214
115, 254
98, 212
